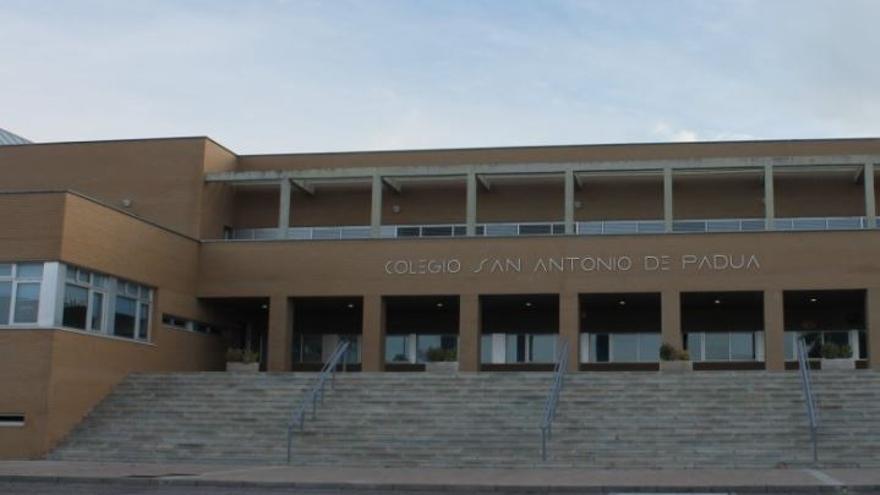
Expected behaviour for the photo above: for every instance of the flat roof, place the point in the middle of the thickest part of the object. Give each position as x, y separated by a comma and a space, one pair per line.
489, 149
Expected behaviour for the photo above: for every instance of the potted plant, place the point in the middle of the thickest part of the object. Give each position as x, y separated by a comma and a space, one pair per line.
242, 360
837, 357
441, 360
672, 359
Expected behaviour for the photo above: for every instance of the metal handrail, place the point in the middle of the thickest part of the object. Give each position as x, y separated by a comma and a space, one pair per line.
809, 397
316, 393
553, 397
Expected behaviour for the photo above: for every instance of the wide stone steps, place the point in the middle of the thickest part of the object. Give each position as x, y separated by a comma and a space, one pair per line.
701, 419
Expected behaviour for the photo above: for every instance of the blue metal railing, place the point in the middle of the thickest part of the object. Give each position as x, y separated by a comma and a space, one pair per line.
809, 398
553, 397
586, 228
316, 393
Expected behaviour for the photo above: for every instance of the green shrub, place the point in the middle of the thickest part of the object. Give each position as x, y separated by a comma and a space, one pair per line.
242, 356
436, 354
834, 351
669, 353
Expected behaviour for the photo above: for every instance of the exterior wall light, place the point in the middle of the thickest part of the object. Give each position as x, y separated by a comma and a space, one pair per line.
395, 208
126, 203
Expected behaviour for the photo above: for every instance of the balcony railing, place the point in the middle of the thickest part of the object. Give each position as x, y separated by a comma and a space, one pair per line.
821, 223
590, 228
620, 227
720, 225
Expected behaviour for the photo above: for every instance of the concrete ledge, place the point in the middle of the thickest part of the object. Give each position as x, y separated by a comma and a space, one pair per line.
476, 480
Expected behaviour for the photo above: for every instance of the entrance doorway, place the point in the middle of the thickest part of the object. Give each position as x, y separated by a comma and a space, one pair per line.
519, 332
420, 329
319, 323
825, 318
620, 331
724, 330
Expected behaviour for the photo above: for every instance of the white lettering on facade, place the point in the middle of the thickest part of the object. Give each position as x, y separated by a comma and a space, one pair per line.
422, 267
714, 262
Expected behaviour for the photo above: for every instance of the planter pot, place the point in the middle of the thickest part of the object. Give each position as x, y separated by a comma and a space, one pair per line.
838, 364
442, 367
236, 367
676, 366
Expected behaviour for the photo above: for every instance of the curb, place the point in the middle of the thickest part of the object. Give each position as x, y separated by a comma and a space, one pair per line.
445, 488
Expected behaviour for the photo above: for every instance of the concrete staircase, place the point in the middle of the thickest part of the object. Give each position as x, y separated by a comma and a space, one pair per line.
701, 419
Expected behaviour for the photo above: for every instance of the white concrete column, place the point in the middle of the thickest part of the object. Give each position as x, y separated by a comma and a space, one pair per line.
854, 343
51, 303
471, 208
329, 342
569, 204
411, 349
667, 198
283, 208
499, 348
870, 204
376, 208
769, 198
585, 347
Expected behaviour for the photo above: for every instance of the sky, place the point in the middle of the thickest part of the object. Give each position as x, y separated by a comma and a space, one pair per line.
279, 76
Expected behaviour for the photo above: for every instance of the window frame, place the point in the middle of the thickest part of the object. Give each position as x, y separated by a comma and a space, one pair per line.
90, 285
15, 279
110, 288
591, 353
700, 356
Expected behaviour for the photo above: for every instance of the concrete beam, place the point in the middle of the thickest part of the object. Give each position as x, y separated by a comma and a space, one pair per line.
670, 315
667, 199
304, 187
569, 202
284, 208
376, 208
569, 327
870, 201
469, 332
797, 162
774, 330
859, 175
373, 333
769, 198
484, 182
471, 206
279, 335
393, 185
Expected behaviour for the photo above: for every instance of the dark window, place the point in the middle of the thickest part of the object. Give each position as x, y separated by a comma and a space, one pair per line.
124, 320
76, 304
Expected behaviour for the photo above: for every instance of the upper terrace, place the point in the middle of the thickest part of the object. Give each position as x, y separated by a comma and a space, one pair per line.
795, 186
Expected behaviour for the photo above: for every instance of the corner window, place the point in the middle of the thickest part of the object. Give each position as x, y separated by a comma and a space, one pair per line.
124, 319
27, 302
76, 306
105, 304
20, 292
5, 301
97, 309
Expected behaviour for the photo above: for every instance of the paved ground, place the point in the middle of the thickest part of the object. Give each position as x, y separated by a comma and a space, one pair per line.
52, 477
105, 489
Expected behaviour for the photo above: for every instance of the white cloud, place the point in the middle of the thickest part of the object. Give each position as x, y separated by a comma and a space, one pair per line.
665, 132
356, 74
